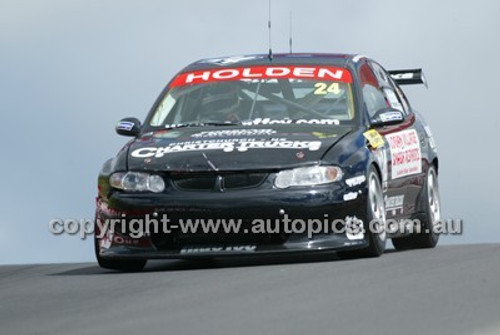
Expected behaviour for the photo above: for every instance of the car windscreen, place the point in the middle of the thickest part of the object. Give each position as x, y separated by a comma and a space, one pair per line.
257, 95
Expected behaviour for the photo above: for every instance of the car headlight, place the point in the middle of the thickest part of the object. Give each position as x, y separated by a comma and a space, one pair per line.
137, 181
308, 176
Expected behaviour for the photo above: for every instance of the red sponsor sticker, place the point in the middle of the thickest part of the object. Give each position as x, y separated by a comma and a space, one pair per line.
406, 155
326, 73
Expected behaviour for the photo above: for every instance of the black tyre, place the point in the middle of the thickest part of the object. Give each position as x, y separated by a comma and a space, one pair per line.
375, 212
428, 237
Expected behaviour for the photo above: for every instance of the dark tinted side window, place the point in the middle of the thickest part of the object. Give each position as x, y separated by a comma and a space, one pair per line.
372, 92
394, 95
402, 97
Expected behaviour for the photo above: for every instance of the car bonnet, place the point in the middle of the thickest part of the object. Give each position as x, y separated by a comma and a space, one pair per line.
234, 148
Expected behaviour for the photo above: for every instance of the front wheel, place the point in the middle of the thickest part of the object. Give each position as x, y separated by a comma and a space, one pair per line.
428, 237
375, 213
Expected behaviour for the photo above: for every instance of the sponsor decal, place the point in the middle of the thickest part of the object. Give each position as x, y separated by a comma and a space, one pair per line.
408, 75
374, 138
354, 228
354, 181
107, 239
230, 145
125, 125
393, 99
357, 58
350, 196
406, 156
391, 116
394, 204
266, 121
229, 60
263, 72
269, 121
323, 135
234, 132
124, 240
236, 248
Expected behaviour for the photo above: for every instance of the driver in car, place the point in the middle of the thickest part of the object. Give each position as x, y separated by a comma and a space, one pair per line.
220, 104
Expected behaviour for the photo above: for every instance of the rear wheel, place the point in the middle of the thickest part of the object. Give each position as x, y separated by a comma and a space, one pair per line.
375, 212
428, 237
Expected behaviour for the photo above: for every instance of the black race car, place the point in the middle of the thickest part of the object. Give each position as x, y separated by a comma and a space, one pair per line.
258, 155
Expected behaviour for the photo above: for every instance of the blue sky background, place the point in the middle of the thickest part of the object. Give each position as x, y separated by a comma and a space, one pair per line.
70, 69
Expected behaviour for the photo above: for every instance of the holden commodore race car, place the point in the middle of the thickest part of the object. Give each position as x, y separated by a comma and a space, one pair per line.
257, 155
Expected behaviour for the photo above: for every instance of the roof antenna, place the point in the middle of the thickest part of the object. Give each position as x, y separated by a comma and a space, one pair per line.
290, 39
270, 56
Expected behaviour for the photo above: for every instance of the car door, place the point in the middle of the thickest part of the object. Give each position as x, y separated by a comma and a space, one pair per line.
403, 150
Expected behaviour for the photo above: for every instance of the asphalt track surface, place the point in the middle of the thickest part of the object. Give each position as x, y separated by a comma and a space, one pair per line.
447, 290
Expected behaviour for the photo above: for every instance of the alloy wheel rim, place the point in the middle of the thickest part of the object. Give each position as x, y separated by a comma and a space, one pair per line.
377, 206
433, 197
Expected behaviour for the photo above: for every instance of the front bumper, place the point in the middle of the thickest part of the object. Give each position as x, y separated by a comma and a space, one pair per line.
324, 204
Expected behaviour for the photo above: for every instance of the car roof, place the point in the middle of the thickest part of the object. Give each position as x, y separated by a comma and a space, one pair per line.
282, 58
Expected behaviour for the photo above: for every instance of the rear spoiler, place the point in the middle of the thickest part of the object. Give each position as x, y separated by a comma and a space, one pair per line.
408, 77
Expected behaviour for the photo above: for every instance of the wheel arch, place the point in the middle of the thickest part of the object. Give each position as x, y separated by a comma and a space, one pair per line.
377, 169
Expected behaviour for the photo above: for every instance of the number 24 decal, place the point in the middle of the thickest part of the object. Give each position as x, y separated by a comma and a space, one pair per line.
324, 89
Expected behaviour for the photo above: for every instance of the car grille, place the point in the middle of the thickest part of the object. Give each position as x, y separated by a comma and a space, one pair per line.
194, 183
177, 239
217, 182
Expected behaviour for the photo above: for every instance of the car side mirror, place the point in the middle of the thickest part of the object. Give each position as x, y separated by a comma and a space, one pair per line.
129, 126
387, 117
